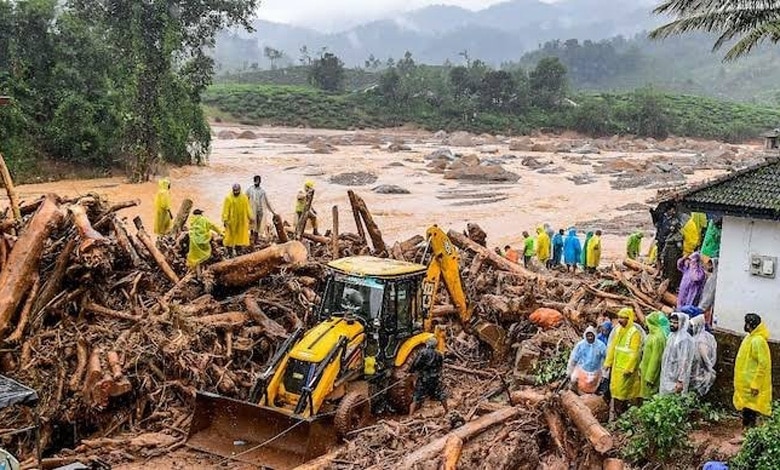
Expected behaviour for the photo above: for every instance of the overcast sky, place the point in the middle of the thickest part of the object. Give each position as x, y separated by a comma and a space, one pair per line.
329, 14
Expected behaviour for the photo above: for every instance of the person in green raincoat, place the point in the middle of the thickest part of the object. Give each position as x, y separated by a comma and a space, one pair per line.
622, 363
711, 245
650, 367
664, 323
753, 372
584, 260
634, 245
163, 217
200, 239
529, 248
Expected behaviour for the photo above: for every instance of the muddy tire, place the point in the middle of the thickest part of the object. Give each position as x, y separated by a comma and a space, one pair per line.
401, 395
353, 412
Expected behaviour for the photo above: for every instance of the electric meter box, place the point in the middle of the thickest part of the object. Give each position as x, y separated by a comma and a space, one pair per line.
763, 266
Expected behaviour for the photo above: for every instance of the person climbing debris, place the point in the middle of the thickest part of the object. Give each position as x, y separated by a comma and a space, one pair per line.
236, 218
200, 240
428, 367
753, 373
300, 205
163, 217
258, 202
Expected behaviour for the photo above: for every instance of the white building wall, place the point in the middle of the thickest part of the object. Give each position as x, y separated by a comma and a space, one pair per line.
739, 292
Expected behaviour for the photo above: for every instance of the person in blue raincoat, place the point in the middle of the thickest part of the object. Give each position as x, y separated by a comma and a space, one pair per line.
572, 250
586, 361
604, 330
557, 245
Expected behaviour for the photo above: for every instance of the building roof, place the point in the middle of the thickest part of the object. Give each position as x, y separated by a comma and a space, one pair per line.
751, 192
368, 266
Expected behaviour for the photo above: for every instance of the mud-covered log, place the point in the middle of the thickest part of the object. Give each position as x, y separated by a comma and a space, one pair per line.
156, 255
53, 285
248, 269
8, 182
471, 429
281, 233
272, 328
638, 266
223, 320
82, 355
557, 429
181, 217
334, 234
123, 240
465, 243
322, 240
356, 215
587, 424
25, 258
371, 227
451, 452
24, 317
107, 312
87, 233
529, 397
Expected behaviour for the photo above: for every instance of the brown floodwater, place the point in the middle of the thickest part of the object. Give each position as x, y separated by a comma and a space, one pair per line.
503, 210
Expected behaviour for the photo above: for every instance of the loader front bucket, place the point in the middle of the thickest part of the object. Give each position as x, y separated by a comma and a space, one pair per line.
256, 434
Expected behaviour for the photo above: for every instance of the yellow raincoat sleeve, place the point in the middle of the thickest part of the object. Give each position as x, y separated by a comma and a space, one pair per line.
162, 208
636, 345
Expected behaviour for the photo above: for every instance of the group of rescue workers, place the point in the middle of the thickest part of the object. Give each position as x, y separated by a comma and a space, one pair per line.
553, 250
243, 219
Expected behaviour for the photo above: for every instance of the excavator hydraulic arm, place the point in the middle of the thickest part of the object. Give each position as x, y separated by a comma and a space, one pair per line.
445, 265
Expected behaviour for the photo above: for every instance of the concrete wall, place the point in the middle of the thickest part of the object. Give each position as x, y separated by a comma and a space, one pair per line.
738, 292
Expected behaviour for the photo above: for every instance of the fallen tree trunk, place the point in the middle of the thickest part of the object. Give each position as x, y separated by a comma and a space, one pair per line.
451, 454
270, 327
557, 430
588, 425
465, 243
88, 234
24, 317
356, 214
669, 299
431, 450
156, 255
227, 320
248, 269
322, 240
123, 240
373, 229
181, 217
528, 397
8, 182
281, 233
334, 234
637, 266
25, 257
52, 287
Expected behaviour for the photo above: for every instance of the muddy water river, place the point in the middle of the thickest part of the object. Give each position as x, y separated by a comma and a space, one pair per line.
283, 159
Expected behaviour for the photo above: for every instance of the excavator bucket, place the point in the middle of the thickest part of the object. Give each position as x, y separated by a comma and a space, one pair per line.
493, 335
256, 434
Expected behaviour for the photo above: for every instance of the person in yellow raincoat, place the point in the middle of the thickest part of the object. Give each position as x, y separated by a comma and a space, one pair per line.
300, 205
594, 253
691, 232
753, 372
200, 239
236, 216
163, 217
543, 245
622, 363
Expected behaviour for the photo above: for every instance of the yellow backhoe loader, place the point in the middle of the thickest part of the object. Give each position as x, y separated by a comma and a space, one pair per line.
374, 318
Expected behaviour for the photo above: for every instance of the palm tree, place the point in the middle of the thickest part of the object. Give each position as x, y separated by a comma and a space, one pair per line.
749, 22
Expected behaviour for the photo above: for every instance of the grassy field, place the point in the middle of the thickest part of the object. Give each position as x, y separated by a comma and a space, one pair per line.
595, 113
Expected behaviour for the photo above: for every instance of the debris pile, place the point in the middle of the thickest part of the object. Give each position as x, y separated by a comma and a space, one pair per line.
116, 335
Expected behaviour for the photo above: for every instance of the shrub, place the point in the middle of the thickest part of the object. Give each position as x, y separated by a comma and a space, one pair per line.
761, 449
552, 368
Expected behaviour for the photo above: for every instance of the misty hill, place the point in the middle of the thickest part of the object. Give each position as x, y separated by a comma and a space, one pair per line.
439, 33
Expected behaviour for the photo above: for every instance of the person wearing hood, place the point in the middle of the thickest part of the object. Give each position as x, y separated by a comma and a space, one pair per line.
586, 361
594, 252
528, 249
704, 357
572, 250
664, 323
236, 218
622, 361
543, 247
557, 249
200, 240
678, 357
693, 279
753, 372
707, 300
652, 354
671, 252
634, 245
258, 201
604, 330
163, 217
584, 256
711, 245
300, 206
691, 232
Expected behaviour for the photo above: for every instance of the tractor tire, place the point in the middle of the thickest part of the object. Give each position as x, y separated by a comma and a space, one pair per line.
401, 394
353, 412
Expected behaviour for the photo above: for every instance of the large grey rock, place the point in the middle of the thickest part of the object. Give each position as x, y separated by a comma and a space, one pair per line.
441, 154
460, 139
390, 189
487, 174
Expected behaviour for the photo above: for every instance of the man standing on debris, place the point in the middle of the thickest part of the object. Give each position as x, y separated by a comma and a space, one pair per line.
652, 354
163, 217
557, 248
622, 362
258, 201
511, 254
528, 249
753, 372
236, 217
200, 240
594, 252
300, 205
428, 366
670, 254
678, 357
664, 225
634, 245
572, 250
585, 363
543, 245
